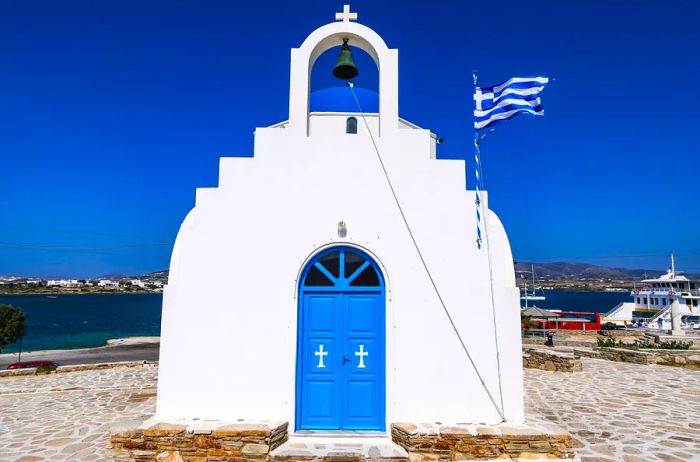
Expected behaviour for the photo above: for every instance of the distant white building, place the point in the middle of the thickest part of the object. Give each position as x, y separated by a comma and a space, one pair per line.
138, 283
61, 283
107, 283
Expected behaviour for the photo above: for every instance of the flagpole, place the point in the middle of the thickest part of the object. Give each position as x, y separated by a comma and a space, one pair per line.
477, 166
481, 211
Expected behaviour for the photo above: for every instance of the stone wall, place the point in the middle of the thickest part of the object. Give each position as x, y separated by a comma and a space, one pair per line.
75, 368
436, 442
560, 341
209, 441
551, 360
198, 442
618, 354
622, 333
689, 359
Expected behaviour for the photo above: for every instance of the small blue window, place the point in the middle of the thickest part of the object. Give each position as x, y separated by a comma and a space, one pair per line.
351, 125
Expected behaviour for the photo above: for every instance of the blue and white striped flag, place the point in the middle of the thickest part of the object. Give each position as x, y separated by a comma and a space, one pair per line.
492, 105
516, 96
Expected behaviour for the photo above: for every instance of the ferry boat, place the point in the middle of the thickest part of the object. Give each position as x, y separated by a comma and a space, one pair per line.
651, 305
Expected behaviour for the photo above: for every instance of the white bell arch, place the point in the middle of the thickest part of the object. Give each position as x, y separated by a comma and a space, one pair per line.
329, 36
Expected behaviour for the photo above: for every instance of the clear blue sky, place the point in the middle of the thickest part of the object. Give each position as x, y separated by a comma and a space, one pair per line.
113, 112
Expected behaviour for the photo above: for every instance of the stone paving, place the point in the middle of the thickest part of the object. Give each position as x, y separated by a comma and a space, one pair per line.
620, 411
617, 411
66, 417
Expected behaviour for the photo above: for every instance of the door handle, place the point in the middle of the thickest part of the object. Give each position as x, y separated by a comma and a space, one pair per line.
345, 360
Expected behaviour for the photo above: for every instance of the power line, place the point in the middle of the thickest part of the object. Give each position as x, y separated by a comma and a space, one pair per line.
600, 257
83, 232
77, 247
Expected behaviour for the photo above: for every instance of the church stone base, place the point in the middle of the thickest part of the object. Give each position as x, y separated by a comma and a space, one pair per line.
201, 441
207, 441
437, 442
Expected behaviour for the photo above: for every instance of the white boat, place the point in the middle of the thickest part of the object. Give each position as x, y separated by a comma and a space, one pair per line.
527, 295
651, 305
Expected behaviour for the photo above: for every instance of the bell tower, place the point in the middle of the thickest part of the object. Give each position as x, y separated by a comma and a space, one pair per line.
344, 32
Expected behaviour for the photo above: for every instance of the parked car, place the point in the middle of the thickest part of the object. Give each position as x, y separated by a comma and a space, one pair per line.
28, 364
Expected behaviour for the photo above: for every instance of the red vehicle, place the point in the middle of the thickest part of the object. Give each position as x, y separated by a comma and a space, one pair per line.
28, 364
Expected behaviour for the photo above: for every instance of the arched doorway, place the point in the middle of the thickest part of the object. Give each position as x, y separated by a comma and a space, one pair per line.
341, 343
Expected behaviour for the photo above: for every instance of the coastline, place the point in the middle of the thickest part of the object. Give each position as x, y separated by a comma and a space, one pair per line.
120, 349
69, 292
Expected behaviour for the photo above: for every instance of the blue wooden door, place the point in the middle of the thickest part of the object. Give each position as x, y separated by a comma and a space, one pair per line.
341, 347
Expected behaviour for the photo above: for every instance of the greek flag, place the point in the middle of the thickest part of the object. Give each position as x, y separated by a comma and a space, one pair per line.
515, 96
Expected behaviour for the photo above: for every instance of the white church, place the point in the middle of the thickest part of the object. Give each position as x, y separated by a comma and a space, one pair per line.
333, 281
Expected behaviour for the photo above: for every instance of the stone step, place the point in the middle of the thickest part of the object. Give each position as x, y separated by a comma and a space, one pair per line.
341, 449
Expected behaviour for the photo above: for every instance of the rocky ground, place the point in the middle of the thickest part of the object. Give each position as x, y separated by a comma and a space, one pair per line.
617, 411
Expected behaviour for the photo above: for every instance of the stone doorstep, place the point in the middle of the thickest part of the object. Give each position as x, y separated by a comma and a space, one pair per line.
340, 448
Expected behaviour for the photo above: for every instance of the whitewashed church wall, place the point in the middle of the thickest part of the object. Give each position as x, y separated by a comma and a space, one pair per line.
507, 303
235, 291
333, 125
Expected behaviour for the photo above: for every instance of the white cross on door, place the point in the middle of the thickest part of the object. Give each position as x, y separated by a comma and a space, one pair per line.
362, 353
320, 353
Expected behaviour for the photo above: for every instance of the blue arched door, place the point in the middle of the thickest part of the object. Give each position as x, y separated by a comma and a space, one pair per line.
341, 343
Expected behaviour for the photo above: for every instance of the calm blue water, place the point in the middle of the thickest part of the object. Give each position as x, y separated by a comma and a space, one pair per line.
80, 321
597, 302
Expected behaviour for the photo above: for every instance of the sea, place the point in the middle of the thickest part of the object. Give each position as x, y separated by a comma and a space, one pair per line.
85, 320
89, 320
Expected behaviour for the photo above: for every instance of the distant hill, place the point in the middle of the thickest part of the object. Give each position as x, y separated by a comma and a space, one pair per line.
570, 270
110, 276
155, 276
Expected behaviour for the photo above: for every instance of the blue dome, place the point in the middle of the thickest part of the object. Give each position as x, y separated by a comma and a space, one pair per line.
340, 99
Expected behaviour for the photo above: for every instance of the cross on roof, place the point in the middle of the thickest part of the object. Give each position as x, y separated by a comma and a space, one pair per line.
346, 15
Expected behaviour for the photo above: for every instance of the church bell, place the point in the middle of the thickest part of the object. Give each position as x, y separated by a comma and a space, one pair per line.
345, 67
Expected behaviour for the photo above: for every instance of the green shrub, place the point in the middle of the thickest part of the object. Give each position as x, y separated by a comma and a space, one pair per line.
671, 345
610, 342
12, 323
644, 344
45, 369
